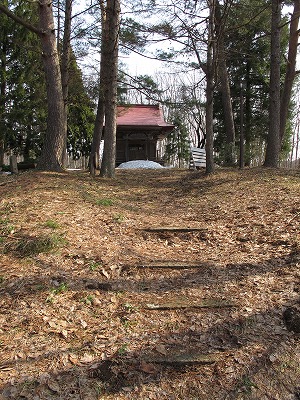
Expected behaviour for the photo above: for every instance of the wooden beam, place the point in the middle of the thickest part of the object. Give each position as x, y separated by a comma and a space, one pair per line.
175, 229
173, 265
184, 359
180, 303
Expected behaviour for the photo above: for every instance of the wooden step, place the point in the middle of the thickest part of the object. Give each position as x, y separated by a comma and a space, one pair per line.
185, 359
181, 303
174, 264
175, 229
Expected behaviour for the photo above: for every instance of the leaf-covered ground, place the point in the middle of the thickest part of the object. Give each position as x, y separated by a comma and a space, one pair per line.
86, 312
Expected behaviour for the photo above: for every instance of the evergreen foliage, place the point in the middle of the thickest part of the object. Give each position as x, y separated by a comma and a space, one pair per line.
81, 115
23, 111
248, 59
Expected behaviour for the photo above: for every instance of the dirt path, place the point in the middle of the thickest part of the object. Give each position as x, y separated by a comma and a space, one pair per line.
160, 284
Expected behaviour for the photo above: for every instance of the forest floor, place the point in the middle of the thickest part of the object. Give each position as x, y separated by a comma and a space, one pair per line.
97, 304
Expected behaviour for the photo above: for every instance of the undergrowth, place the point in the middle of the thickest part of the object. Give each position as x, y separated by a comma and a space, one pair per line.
26, 246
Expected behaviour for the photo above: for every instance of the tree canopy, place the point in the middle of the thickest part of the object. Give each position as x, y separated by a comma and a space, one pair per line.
217, 54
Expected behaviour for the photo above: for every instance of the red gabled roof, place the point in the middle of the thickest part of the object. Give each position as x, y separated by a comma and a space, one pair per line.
142, 116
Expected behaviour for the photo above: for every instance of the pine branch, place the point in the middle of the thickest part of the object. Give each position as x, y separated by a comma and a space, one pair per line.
20, 20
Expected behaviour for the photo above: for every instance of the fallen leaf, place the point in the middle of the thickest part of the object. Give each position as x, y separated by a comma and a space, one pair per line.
147, 367
64, 333
105, 273
6, 369
127, 389
73, 359
54, 386
96, 302
113, 299
87, 358
62, 323
161, 349
52, 324
83, 323
43, 378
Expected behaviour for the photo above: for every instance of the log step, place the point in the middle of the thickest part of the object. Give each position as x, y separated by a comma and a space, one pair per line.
173, 264
185, 359
175, 304
175, 229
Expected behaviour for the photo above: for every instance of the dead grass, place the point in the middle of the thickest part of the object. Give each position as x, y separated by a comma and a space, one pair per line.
27, 246
75, 276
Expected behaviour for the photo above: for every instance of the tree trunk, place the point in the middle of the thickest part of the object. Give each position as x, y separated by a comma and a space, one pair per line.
65, 59
247, 128
54, 141
225, 87
58, 26
210, 90
2, 100
290, 68
97, 135
110, 94
99, 121
51, 157
1, 152
273, 139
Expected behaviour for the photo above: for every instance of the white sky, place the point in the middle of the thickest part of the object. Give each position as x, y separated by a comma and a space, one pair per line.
137, 64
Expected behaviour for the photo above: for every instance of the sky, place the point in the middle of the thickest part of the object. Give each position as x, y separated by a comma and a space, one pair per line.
136, 64
139, 65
